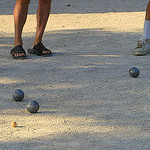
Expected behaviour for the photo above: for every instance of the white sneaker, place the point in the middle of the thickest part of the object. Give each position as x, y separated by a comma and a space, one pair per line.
143, 47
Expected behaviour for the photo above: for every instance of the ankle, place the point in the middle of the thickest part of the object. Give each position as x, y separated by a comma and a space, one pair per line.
35, 43
18, 43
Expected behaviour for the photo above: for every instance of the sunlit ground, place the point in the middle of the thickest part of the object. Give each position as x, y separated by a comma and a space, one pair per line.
5, 80
114, 22
50, 126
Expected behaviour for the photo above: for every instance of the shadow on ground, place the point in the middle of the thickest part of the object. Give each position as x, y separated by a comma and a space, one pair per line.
78, 7
87, 77
79, 141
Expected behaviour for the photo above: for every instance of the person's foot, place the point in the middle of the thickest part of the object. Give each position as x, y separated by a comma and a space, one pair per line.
18, 52
143, 47
40, 50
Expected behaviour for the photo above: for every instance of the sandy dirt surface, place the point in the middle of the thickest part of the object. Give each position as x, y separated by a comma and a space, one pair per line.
87, 99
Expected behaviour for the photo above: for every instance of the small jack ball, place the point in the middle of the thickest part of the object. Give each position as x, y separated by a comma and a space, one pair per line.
18, 95
33, 107
134, 72
13, 124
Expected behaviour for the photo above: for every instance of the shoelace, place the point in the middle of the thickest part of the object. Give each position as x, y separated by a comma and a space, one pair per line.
140, 43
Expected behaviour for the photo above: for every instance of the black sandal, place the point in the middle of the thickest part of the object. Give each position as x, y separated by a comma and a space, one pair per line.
38, 50
16, 50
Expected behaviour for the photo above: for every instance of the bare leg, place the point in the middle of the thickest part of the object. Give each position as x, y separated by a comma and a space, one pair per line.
43, 12
147, 17
143, 46
20, 15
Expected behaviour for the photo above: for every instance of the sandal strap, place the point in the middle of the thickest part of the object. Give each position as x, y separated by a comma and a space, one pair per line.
17, 49
40, 48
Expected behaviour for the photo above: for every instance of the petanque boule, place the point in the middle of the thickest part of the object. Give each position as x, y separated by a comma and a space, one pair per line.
134, 72
33, 107
18, 95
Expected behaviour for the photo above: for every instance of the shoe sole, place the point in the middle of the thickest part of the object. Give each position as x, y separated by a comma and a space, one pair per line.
139, 54
34, 52
18, 58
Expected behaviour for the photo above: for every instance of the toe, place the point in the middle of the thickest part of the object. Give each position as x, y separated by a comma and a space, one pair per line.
47, 52
19, 54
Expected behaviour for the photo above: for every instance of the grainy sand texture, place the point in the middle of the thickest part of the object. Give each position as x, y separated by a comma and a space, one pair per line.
87, 99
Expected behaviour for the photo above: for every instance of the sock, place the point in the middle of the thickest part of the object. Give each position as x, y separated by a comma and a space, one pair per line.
146, 33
